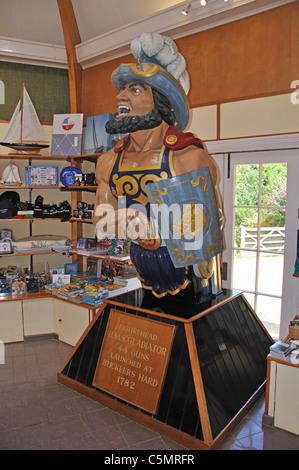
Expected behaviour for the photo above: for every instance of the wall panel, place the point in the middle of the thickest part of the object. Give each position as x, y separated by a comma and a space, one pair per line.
249, 58
203, 122
260, 116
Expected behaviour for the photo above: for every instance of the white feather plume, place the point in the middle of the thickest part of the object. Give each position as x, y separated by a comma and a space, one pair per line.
153, 47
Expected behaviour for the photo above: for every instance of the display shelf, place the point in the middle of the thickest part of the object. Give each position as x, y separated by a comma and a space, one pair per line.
29, 253
73, 219
42, 295
28, 187
76, 196
125, 259
33, 155
78, 188
91, 157
29, 219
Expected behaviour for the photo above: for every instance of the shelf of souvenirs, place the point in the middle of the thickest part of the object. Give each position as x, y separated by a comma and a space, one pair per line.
75, 219
38, 156
61, 188
26, 253
21, 219
44, 294
78, 187
90, 254
90, 157
20, 186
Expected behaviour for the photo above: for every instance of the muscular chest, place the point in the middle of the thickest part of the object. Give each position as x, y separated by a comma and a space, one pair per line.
129, 160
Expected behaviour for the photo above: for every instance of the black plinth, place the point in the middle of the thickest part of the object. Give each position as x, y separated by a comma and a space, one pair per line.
216, 370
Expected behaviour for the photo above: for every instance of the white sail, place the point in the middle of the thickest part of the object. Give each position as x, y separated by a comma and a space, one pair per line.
13, 132
11, 175
32, 130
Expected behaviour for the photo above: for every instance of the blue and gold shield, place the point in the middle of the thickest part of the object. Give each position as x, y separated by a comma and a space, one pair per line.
185, 213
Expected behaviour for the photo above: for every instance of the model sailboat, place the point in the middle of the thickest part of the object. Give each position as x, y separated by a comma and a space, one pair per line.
25, 133
98, 148
10, 175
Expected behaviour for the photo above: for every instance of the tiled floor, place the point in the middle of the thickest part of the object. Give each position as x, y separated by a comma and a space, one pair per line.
37, 413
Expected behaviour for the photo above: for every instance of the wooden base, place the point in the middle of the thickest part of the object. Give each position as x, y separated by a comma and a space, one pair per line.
216, 370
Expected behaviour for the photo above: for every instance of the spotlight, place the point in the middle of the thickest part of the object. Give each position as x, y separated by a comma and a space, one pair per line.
203, 2
186, 9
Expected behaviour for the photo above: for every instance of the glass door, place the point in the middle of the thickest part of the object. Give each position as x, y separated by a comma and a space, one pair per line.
261, 216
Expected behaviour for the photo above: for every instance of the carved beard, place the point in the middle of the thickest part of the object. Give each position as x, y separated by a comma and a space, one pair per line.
130, 124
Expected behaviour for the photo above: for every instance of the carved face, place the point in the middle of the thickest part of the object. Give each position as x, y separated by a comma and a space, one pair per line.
135, 99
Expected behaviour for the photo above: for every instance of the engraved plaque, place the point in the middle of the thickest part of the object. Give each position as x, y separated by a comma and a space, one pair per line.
134, 358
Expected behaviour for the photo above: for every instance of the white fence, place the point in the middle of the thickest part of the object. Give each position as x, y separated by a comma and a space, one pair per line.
271, 238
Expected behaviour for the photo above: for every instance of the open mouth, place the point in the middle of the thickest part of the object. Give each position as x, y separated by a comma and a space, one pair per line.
122, 110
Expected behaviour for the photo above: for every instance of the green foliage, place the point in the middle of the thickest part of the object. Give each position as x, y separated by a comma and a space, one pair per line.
272, 178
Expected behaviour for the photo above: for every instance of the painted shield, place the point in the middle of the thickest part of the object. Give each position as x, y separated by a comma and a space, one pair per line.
185, 213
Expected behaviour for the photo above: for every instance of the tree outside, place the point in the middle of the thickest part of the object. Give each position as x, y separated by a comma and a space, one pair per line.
270, 199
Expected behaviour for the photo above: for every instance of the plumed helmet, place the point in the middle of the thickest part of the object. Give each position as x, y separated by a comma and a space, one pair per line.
162, 67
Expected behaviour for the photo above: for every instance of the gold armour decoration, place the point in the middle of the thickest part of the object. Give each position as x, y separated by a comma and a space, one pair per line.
159, 191
172, 292
119, 144
151, 244
213, 248
178, 254
205, 184
171, 139
130, 184
152, 178
193, 221
146, 70
206, 268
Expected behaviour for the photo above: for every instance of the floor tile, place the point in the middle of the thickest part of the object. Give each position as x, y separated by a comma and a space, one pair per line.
37, 412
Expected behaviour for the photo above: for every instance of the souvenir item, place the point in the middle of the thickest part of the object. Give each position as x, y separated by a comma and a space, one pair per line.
7, 210
5, 233
18, 286
10, 175
41, 175
85, 243
6, 246
96, 139
8, 204
68, 174
67, 134
71, 268
5, 287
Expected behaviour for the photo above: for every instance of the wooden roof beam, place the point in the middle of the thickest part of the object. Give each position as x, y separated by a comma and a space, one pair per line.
71, 39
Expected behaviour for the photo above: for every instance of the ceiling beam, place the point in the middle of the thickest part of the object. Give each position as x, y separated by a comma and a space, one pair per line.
71, 39
172, 23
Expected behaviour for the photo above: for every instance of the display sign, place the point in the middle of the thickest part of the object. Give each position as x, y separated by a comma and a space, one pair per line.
134, 358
